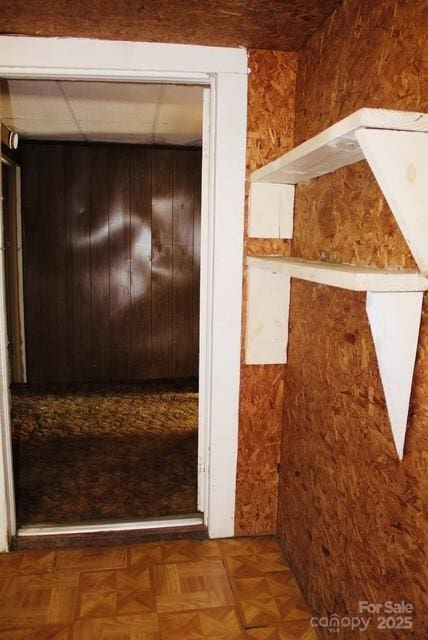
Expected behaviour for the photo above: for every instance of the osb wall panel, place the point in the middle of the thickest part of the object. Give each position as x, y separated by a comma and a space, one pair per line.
278, 24
270, 133
351, 517
343, 217
367, 55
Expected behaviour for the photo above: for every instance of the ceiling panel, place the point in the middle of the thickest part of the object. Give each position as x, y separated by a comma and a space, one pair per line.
103, 112
44, 129
179, 115
35, 99
109, 102
115, 132
179, 139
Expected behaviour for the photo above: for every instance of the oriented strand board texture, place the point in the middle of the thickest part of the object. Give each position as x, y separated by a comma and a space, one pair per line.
352, 519
277, 24
270, 133
351, 516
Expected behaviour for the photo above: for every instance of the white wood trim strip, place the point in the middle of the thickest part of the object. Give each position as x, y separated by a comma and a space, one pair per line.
205, 296
336, 146
104, 527
350, 277
7, 503
22, 55
229, 132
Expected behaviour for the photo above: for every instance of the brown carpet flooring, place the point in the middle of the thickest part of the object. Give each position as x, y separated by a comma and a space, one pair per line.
104, 452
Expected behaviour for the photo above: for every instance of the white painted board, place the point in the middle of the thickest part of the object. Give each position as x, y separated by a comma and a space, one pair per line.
351, 277
271, 210
267, 316
395, 320
336, 146
399, 161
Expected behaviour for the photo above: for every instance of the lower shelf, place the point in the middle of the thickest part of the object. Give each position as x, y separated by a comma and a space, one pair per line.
344, 276
394, 306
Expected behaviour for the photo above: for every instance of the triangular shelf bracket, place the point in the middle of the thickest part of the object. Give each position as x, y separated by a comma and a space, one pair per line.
399, 162
394, 321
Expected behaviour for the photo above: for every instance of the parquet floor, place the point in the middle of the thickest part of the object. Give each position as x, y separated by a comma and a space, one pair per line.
186, 590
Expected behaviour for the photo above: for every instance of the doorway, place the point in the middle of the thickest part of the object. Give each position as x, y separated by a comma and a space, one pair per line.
105, 427
225, 72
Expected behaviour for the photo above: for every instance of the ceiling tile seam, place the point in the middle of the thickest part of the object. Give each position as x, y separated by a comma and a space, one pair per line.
70, 108
25, 119
157, 113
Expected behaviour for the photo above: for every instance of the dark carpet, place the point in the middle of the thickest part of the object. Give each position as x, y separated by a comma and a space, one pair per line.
104, 452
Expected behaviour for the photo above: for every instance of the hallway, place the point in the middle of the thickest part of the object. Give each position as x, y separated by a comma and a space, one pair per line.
233, 589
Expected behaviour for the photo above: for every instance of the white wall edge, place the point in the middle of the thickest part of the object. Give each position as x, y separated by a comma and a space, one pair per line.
228, 135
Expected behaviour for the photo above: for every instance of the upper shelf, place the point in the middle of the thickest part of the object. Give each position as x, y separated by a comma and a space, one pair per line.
336, 146
350, 277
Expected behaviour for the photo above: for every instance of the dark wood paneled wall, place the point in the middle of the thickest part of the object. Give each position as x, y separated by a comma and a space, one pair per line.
111, 261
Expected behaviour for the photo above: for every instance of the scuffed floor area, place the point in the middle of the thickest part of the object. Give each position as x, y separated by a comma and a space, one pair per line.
104, 452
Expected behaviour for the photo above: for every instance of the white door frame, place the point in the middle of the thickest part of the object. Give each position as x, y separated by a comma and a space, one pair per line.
19, 319
225, 72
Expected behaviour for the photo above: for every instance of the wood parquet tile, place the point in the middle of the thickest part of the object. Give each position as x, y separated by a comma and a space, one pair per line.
39, 599
238, 589
25, 563
280, 633
190, 550
248, 546
132, 627
47, 632
220, 623
269, 599
112, 593
145, 555
255, 564
92, 558
191, 585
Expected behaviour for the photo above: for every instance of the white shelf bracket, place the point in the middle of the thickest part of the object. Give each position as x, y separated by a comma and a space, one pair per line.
267, 316
271, 210
395, 320
399, 162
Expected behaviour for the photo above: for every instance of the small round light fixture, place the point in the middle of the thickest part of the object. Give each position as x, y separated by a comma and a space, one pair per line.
13, 140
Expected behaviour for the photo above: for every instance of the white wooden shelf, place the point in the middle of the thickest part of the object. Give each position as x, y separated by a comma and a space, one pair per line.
395, 145
351, 277
336, 146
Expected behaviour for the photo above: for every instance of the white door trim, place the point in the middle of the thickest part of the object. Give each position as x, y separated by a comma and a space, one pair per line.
225, 71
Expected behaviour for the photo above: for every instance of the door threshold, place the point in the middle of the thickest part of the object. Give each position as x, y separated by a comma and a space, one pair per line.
166, 522
110, 532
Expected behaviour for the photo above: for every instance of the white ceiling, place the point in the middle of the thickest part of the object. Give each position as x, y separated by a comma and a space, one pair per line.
103, 111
